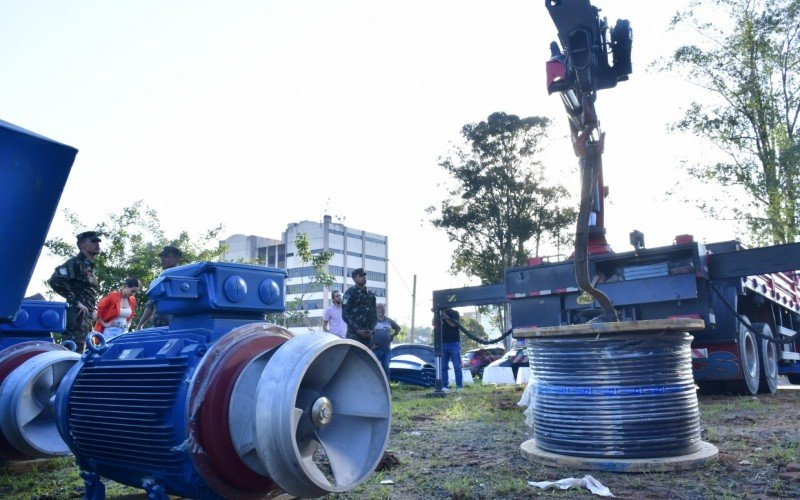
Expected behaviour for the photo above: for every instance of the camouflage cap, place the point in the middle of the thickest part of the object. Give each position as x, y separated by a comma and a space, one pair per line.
94, 235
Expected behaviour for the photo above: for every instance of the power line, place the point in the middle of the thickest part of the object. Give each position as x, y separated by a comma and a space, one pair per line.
400, 275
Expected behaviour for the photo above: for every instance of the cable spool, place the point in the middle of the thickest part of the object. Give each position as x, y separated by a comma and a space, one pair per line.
614, 396
617, 396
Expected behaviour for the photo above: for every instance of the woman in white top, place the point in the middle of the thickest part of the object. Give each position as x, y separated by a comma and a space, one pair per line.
116, 310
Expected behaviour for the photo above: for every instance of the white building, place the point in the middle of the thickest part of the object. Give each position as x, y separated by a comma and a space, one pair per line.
352, 248
248, 249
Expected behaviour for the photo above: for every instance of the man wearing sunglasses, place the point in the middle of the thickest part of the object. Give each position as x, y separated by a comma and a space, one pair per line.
358, 309
75, 281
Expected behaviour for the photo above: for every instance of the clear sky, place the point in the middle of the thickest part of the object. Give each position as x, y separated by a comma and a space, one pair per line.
255, 114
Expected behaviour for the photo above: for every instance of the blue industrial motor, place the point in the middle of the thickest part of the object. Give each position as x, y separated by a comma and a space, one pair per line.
34, 170
222, 404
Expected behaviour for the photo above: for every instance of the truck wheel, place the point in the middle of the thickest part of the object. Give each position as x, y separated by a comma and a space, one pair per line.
794, 378
750, 364
768, 355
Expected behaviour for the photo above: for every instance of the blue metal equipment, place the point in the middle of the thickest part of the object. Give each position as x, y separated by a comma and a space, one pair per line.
34, 170
221, 404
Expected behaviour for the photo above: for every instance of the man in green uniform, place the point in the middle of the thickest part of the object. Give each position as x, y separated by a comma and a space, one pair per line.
170, 257
358, 309
76, 282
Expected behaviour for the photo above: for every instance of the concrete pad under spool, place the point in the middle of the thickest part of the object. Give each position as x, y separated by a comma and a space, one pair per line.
705, 455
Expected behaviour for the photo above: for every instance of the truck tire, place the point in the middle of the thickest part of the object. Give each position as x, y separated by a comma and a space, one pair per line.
750, 363
768, 355
794, 378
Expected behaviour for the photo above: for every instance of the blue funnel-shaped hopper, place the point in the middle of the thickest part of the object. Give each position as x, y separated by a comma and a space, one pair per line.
33, 172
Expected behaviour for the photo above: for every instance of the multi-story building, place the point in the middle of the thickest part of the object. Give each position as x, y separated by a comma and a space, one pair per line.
352, 248
249, 249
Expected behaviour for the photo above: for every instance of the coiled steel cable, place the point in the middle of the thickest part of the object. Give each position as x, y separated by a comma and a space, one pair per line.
615, 396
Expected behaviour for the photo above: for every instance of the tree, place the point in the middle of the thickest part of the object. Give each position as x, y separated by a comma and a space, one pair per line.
132, 240
752, 67
422, 335
501, 199
472, 326
295, 314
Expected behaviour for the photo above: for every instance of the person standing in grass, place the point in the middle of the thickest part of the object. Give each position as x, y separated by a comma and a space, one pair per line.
385, 331
358, 309
451, 348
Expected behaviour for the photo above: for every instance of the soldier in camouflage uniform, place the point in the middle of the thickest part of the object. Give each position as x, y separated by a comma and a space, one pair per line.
170, 257
75, 281
358, 309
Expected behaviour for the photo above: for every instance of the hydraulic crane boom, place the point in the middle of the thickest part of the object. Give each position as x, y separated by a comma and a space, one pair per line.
577, 69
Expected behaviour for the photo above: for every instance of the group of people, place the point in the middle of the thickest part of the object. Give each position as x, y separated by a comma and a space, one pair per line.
356, 315
113, 315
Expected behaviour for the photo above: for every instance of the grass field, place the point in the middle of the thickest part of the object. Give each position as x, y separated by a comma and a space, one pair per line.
467, 446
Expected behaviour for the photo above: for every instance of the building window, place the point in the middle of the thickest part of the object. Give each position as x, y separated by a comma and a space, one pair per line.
301, 272
303, 288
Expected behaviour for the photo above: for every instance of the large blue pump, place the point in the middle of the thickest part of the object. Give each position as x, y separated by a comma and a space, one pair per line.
219, 404
33, 170
222, 404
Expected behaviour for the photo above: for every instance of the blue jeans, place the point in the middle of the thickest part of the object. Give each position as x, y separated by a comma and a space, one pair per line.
451, 351
383, 355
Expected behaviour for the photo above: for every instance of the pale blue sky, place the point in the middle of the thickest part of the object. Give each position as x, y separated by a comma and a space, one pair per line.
255, 114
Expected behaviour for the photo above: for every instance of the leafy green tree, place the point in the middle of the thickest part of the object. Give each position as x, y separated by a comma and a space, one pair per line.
422, 335
132, 240
472, 326
295, 314
501, 199
402, 337
748, 61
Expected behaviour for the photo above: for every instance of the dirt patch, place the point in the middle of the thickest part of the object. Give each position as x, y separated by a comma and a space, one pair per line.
388, 461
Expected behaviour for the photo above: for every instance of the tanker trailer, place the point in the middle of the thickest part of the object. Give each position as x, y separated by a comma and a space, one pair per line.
34, 170
220, 403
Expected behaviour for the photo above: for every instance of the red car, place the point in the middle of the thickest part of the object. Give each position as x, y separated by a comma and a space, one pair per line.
478, 359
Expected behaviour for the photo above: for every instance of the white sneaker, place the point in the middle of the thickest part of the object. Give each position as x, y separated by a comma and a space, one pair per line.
445, 389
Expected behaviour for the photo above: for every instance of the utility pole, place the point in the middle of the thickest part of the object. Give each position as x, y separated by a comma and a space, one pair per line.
413, 308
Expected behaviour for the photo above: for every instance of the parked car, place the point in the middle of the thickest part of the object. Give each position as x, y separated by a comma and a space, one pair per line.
515, 358
478, 359
422, 351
